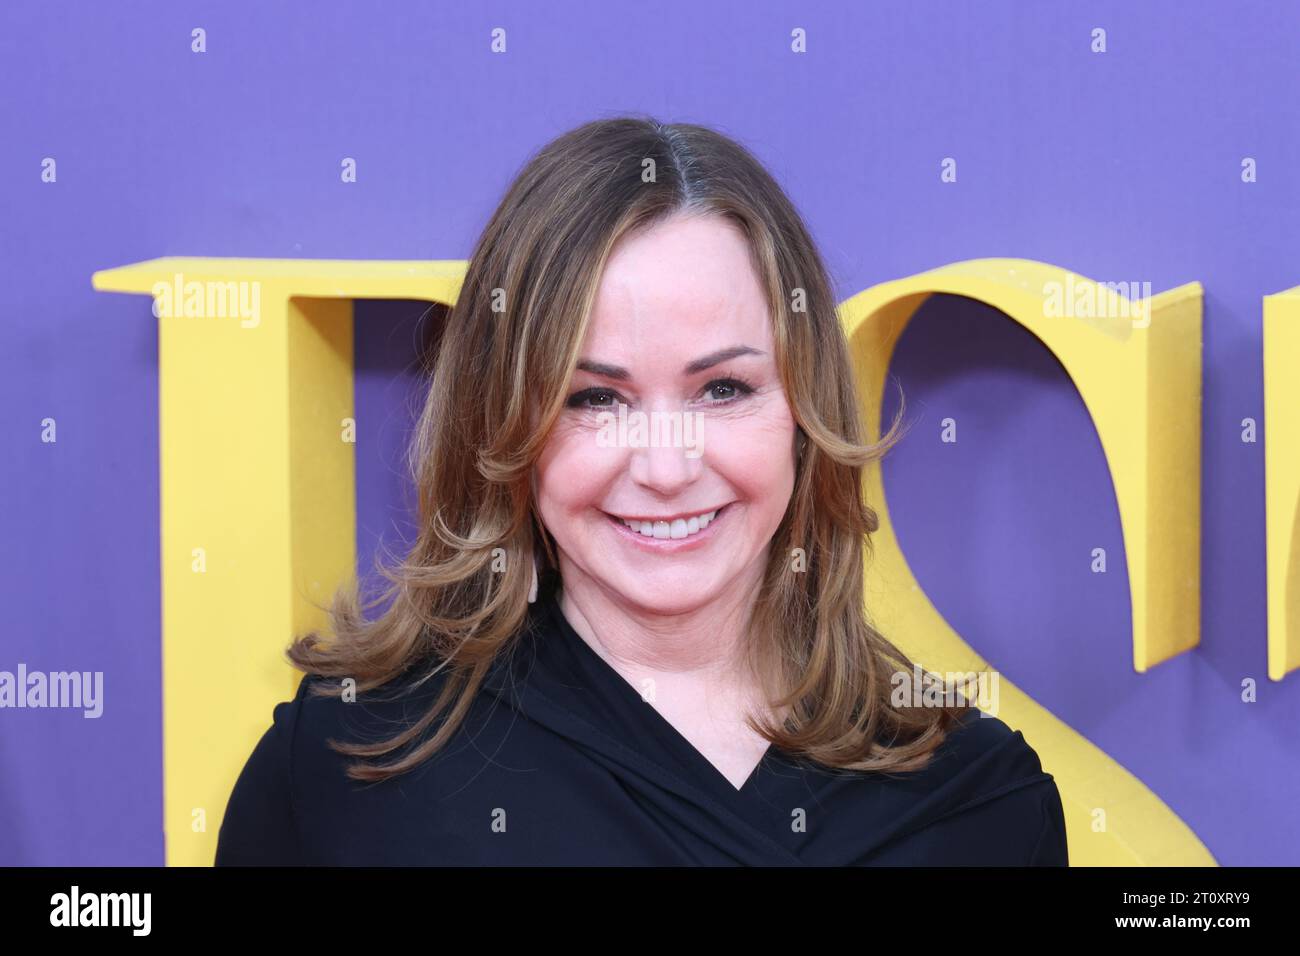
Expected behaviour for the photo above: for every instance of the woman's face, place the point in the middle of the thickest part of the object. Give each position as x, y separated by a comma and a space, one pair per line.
681, 335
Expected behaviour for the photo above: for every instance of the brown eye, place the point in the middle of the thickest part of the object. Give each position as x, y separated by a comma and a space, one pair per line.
593, 398
732, 389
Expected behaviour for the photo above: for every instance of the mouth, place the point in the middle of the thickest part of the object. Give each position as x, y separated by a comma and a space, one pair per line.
675, 534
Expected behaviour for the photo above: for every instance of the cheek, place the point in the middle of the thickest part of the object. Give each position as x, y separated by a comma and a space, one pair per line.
572, 473
755, 456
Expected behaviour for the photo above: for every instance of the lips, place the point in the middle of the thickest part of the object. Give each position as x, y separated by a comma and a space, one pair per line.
679, 528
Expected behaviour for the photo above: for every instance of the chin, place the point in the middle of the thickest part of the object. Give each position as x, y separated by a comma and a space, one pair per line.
666, 593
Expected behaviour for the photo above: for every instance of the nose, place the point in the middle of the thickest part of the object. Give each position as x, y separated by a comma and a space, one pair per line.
664, 469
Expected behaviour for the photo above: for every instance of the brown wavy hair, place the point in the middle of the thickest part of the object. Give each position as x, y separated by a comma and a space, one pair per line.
512, 339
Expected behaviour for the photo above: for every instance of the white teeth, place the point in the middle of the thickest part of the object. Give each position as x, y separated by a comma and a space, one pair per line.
678, 528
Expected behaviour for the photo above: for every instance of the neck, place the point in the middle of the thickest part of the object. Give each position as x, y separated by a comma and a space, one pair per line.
705, 642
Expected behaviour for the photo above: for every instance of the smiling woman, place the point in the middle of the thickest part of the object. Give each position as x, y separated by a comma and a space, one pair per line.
618, 651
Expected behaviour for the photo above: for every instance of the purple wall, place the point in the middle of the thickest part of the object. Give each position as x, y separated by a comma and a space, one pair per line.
1120, 166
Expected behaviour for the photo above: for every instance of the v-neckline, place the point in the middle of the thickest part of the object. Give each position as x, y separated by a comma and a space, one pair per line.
680, 742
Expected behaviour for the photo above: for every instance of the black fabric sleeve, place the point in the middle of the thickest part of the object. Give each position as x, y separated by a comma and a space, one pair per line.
259, 827
1051, 848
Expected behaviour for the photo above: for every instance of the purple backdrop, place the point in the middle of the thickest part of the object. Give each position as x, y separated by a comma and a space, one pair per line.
1121, 166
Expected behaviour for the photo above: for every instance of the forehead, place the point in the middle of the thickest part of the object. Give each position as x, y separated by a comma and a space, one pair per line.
683, 283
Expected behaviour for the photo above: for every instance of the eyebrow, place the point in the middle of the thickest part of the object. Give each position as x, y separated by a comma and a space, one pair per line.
698, 365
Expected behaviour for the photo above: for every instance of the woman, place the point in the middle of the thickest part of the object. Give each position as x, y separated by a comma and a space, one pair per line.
614, 644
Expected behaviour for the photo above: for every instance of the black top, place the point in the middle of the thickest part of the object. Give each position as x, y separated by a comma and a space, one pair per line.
561, 761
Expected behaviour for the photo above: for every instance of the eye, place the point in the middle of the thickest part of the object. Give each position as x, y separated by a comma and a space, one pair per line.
594, 398
726, 390
722, 391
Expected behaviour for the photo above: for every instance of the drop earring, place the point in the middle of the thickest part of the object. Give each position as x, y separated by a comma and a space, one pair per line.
532, 591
